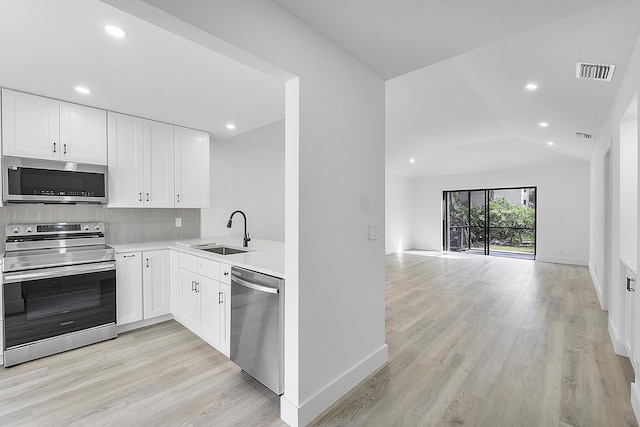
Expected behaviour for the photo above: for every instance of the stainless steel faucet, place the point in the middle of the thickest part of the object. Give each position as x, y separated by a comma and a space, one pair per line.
246, 239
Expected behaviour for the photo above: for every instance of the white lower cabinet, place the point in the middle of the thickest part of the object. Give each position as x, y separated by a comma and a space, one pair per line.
156, 283
210, 314
190, 304
143, 285
225, 309
129, 287
205, 305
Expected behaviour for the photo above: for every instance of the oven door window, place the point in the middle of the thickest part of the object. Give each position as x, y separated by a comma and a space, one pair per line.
45, 308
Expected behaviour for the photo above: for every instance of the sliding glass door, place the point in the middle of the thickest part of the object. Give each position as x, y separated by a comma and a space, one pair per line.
499, 222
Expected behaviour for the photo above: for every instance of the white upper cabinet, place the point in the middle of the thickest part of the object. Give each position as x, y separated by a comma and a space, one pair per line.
30, 126
191, 168
83, 134
126, 150
140, 162
45, 128
158, 165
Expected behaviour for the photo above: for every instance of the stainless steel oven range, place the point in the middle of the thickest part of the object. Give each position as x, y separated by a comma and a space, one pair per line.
59, 289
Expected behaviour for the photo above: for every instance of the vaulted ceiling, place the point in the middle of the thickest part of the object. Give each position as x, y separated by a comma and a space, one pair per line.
455, 72
456, 99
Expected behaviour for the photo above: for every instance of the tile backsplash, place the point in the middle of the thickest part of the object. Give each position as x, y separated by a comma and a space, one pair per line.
121, 225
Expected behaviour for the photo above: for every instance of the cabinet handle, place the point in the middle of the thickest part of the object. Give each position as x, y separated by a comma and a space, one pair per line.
147, 262
140, 196
193, 286
54, 147
629, 288
178, 198
147, 197
64, 148
226, 273
219, 297
128, 256
197, 287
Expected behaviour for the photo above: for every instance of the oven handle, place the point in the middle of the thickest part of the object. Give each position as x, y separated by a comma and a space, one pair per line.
49, 273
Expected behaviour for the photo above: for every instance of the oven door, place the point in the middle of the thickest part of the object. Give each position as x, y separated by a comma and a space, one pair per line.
41, 304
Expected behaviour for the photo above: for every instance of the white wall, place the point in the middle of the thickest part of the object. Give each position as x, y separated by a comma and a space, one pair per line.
334, 188
247, 173
629, 191
398, 213
609, 286
562, 207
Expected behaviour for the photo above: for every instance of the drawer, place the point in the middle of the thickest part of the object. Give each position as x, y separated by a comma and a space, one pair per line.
209, 268
225, 273
188, 262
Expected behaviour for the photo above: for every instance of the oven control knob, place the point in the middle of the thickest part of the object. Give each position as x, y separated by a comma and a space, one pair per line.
86, 227
15, 229
29, 229
97, 226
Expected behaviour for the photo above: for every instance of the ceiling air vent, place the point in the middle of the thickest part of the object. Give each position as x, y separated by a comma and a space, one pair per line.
584, 135
588, 71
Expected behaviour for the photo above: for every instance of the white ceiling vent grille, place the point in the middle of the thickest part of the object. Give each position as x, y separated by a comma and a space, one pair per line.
584, 135
588, 71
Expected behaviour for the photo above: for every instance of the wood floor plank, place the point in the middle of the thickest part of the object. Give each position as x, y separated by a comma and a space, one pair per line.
491, 342
473, 340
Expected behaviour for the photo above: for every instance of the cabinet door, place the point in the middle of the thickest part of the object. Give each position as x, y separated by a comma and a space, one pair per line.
129, 287
30, 126
190, 310
191, 168
83, 134
156, 279
158, 165
210, 327
126, 149
176, 290
225, 319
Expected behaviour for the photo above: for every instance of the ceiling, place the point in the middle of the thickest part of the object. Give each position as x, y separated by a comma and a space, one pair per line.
455, 96
455, 72
57, 45
395, 37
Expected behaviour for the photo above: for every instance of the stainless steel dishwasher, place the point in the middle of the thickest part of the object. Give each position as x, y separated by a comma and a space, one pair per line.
257, 326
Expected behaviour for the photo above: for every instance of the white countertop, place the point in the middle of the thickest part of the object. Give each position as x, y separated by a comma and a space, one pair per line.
263, 256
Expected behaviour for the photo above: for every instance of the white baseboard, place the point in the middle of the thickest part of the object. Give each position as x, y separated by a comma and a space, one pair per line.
596, 285
303, 414
143, 323
616, 340
562, 260
635, 399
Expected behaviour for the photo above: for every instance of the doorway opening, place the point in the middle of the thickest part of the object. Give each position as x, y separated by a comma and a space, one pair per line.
497, 221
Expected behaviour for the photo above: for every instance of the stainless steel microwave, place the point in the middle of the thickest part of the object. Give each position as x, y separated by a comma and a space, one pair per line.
49, 181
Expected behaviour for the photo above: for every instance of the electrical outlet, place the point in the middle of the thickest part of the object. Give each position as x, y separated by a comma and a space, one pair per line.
373, 232
178, 222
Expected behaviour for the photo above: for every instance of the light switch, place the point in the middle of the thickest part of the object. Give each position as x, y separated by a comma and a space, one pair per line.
373, 232
178, 222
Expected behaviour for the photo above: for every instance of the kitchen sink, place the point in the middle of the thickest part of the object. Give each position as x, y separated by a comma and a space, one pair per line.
222, 250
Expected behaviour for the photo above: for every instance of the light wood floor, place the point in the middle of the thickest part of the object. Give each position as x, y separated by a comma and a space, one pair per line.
475, 341
487, 341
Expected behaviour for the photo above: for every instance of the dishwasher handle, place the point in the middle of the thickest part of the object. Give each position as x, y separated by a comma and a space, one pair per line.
254, 286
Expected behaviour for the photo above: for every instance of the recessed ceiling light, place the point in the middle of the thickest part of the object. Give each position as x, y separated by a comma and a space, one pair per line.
231, 126
543, 124
550, 143
115, 31
83, 90
531, 86
412, 161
